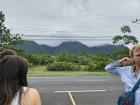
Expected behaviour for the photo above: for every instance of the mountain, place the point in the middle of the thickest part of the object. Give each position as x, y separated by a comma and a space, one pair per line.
71, 46
32, 47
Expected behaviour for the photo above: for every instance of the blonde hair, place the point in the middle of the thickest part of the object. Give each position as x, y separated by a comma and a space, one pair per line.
135, 47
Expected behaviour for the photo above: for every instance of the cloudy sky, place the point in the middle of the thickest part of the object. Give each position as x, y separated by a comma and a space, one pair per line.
92, 22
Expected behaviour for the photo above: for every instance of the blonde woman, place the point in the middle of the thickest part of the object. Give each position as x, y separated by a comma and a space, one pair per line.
128, 68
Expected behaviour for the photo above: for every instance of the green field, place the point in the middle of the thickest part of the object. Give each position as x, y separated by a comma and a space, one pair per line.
53, 74
40, 71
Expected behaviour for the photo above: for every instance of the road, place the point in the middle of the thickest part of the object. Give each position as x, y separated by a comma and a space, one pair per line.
77, 90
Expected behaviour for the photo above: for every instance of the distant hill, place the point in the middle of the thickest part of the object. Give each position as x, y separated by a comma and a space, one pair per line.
71, 46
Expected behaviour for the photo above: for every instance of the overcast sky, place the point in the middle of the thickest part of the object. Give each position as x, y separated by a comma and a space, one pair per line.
92, 22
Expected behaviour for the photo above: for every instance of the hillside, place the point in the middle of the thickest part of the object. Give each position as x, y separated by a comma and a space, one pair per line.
72, 47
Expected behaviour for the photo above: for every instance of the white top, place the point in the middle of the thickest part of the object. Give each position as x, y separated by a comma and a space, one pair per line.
16, 99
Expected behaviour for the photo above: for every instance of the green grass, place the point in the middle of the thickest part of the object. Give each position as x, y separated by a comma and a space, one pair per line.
74, 73
37, 68
40, 71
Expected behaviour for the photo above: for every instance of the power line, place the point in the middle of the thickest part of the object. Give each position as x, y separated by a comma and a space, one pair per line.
42, 25
69, 38
65, 36
45, 14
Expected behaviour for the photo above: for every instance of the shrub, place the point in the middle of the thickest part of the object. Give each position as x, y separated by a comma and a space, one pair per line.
63, 66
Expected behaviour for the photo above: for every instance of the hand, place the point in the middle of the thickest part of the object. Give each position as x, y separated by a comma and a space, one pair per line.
126, 61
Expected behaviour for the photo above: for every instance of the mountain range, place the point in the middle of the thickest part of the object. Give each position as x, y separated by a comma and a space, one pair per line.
74, 47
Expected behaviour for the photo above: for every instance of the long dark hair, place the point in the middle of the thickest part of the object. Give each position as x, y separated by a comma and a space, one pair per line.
5, 52
13, 76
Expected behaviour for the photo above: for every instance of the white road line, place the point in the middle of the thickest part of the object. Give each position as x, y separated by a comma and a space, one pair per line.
92, 80
72, 99
81, 91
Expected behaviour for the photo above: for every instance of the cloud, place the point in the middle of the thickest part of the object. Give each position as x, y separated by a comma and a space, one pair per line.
75, 18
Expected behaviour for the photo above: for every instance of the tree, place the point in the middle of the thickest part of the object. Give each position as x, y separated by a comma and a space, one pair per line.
136, 21
125, 29
5, 37
125, 39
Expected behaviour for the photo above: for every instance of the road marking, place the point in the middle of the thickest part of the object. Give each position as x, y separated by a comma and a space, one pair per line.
81, 91
93, 80
72, 99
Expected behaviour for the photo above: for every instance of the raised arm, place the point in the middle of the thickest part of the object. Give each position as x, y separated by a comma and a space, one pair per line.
116, 66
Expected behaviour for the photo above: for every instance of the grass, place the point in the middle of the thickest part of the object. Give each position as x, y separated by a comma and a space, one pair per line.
40, 71
37, 68
71, 74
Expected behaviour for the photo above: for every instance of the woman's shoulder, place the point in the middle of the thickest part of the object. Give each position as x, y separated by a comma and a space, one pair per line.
31, 95
127, 69
30, 90
33, 92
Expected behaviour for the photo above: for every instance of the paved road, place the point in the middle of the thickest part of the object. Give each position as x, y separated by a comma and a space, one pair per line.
77, 90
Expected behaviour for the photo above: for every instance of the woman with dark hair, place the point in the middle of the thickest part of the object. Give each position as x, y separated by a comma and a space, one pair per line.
5, 52
13, 83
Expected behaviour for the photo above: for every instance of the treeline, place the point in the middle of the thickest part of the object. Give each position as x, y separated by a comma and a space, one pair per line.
70, 62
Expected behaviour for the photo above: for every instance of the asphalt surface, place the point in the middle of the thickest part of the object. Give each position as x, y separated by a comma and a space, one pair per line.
77, 90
